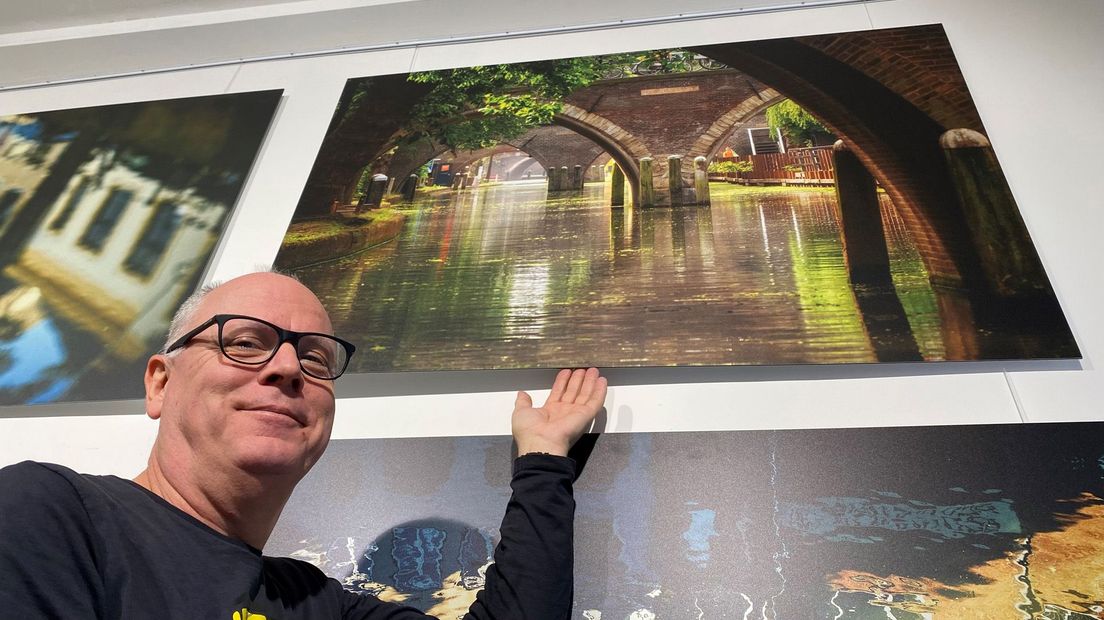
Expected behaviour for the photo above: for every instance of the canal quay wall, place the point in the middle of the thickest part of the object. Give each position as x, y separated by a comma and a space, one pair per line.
335, 245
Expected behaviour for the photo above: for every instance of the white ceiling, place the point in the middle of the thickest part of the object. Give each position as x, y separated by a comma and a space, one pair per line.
51, 41
75, 15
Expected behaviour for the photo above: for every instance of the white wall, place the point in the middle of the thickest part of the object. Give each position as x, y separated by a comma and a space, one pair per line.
1034, 72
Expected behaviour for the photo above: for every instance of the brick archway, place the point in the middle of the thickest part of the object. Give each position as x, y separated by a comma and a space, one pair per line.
710, 142
625, 148
521, 166
897, 142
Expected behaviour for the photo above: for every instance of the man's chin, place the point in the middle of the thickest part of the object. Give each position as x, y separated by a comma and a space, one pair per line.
271, 458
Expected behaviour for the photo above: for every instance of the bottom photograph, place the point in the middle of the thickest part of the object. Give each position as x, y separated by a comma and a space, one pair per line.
907, 523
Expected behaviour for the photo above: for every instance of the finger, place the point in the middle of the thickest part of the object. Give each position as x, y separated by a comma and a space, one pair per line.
559, 385
573, 385
582, 416
523, 401
590, 378
598, 396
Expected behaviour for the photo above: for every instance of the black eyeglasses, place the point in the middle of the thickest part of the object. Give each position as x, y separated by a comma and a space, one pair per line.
248, 340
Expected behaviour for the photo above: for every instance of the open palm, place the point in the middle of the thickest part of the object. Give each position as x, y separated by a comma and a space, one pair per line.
575, 399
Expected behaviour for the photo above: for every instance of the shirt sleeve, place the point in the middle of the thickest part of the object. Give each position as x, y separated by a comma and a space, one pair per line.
47, 547
532, 577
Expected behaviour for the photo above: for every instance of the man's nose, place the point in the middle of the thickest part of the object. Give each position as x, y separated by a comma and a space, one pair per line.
283, 368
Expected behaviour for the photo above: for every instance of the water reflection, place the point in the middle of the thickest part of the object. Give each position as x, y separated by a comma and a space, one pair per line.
933, 523
501, 277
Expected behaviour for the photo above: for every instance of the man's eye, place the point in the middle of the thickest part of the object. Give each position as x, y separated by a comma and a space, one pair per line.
246, 343
315, 358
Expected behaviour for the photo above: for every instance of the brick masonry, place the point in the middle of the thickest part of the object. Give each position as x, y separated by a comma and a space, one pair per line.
895, 138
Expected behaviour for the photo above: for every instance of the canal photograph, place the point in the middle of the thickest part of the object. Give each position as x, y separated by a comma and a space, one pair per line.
821, 199
108, 218
986, 522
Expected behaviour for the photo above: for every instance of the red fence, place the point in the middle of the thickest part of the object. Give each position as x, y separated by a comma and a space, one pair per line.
812, 165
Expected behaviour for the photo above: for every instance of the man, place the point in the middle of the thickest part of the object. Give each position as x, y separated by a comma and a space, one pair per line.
244, 396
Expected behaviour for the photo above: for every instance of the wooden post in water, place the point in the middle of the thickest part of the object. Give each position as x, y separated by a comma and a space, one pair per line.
864, 244
564, 179
867, 258
577, 179
375, 191
701, 180
552, 171
1007, 255
617, 189
647, 188
409, 188
674, 179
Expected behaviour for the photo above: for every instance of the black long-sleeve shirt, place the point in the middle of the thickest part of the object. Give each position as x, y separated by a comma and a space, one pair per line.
80, 546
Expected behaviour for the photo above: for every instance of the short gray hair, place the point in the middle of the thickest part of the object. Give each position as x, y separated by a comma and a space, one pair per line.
184, 319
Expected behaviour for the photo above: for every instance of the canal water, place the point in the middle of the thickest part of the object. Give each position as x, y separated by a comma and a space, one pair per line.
504, 276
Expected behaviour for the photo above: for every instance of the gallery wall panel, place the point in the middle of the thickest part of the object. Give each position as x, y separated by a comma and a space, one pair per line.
119, 90
113, 52
311, 88
105, 437
1061, 217
1022, 91
659, 406
720, 30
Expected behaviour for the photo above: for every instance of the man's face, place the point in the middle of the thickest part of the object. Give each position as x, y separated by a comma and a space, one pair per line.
267, 419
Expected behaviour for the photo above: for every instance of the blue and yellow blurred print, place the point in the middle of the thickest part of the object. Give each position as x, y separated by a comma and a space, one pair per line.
108, 217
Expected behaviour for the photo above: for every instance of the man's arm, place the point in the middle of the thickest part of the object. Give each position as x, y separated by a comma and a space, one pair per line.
533, 573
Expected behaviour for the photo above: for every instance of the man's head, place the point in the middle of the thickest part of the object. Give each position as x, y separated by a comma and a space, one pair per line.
218, 415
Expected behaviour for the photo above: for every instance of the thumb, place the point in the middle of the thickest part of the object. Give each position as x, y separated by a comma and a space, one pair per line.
523, 401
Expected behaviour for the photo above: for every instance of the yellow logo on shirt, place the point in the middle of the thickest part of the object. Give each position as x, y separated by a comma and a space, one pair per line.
245, 614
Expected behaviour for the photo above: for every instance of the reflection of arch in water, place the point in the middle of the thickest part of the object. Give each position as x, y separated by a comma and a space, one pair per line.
436, 565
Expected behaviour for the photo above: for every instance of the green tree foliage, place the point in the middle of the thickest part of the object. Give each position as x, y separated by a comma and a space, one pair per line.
478, 107
730, 167
496, 102
799, 126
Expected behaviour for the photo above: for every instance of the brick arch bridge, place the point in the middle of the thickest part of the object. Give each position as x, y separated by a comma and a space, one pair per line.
549, 145
888, 94
689, 114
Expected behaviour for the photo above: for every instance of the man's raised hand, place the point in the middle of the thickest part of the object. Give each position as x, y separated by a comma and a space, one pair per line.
576, 398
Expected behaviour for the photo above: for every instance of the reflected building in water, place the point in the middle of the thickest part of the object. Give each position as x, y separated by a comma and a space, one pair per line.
89, 288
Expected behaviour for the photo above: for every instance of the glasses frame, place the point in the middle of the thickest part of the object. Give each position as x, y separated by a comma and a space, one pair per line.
284, 335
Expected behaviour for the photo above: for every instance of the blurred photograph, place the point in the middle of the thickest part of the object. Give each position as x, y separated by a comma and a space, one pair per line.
108, 218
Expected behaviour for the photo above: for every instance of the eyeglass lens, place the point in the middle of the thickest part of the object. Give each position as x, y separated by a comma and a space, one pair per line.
253, 342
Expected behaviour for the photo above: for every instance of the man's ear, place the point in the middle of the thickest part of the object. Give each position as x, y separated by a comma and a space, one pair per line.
156, 379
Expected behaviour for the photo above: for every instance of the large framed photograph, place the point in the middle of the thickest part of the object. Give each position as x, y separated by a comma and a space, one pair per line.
912, 523
108, 217
819, 199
